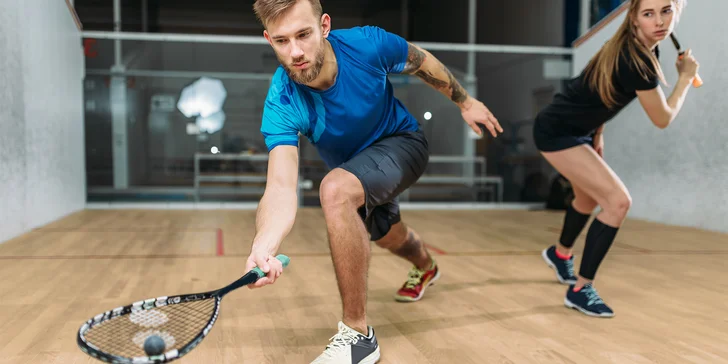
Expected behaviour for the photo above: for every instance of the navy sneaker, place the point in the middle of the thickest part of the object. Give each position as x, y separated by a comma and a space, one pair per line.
587, 301
564, 268
348, 346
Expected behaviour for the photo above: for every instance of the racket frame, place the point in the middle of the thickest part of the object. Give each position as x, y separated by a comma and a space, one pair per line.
144, 305
152, 303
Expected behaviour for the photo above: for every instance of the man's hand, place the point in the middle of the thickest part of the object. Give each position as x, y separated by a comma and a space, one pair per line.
268, 264
599, 144
475, 112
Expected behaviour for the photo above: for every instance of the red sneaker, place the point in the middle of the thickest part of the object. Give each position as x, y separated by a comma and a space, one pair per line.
418, 280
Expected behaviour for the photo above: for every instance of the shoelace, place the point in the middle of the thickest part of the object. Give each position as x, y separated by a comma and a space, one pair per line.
570, 267
593, 296
414, 278
340, 341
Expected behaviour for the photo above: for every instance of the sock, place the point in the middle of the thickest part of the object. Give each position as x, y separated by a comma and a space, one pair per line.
574, 223
561, 256
599, 239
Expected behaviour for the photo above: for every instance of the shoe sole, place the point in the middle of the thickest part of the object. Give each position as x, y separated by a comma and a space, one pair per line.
372, 358
570, 304
551, 264
415, 299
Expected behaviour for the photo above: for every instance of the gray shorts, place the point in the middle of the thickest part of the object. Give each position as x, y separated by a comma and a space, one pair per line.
387, 168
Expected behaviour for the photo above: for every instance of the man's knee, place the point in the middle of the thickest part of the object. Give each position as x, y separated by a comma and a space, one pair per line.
341, 187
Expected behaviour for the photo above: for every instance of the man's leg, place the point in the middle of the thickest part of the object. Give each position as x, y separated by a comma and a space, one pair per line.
356, 200
341, 194
404, 159
406, 243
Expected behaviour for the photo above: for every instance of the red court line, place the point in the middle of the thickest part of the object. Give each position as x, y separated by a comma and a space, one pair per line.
436, 249
220, 247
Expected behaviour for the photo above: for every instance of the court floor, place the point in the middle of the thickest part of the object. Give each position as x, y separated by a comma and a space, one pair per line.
497, 302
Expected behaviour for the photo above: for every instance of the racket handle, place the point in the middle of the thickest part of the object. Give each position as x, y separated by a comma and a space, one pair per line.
284, 260
697, 81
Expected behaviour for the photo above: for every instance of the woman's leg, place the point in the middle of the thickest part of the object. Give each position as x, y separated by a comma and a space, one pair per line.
559, 256
577, 215
583, 167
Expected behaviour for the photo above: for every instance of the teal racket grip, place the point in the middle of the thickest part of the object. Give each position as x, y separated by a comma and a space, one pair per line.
283, 258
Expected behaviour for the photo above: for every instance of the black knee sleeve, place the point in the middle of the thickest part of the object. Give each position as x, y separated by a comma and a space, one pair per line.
574, 223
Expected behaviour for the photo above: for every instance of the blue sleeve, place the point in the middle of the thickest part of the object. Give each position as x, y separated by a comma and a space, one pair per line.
279, 126
392, 48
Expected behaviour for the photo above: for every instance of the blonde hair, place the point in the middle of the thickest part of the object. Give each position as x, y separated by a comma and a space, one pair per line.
601, 68
270, 10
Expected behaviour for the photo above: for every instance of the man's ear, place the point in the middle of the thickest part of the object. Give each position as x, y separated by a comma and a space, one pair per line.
267, 36
325, 25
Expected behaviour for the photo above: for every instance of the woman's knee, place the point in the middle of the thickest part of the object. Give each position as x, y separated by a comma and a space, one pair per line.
618, 203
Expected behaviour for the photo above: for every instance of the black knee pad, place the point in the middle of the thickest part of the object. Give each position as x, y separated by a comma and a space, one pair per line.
381, 220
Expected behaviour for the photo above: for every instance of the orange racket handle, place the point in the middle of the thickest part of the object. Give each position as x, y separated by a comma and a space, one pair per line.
697, 81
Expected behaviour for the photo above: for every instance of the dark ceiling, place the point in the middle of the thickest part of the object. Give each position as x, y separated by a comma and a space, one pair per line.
212, 16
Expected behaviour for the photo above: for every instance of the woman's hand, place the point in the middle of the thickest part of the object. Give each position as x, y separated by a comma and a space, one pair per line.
599, 144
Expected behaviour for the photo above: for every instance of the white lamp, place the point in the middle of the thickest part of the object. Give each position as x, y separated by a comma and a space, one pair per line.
212, 123
203, 98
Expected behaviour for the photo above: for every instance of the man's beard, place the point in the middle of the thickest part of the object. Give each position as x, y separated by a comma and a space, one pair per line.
307, 75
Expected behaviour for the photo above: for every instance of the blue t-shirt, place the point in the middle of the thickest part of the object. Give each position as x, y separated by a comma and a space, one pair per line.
356, 111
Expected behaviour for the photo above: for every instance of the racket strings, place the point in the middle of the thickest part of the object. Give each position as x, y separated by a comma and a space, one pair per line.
176, 324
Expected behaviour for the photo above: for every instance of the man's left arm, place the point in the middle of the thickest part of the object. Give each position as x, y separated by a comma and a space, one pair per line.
424, 65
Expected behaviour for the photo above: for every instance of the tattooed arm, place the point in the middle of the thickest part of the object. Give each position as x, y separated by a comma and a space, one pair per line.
424, 65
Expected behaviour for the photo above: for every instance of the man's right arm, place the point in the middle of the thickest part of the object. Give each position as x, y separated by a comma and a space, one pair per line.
276, 211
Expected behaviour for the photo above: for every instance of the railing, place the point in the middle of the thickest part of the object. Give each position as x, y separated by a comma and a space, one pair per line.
601, 23
236, 177
74, 15
476, 183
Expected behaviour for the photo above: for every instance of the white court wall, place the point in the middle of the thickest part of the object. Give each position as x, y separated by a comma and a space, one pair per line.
678, 175
42, 170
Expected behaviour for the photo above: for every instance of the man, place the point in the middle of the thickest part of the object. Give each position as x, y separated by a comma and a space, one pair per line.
332, 87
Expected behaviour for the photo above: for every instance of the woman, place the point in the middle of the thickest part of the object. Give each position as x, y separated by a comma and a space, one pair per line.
569, 135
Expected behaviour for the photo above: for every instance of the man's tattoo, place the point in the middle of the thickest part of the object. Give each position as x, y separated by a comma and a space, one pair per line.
428, 77
415, 60
411, 248
458, 94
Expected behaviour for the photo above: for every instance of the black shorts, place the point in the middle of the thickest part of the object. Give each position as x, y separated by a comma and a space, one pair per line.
385, 169
548, 140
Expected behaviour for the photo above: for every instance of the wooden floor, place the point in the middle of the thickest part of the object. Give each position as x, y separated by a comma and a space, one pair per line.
497, 302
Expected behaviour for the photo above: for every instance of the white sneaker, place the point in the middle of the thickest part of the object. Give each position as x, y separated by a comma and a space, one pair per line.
349, 346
